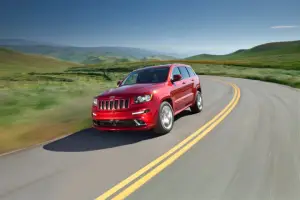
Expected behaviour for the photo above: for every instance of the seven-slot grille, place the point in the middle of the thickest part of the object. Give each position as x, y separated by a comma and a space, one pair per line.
113, 104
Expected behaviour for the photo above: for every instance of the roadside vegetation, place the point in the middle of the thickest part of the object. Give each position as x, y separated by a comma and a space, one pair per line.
43, 98
35, 108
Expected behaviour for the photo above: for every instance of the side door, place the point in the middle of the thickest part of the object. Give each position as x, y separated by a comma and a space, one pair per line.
177, 91
187, 86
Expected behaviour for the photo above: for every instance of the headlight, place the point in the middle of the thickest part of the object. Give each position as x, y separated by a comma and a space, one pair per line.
143, 98
95, 102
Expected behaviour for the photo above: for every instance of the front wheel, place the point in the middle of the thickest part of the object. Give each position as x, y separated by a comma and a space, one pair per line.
165, 119
198, 105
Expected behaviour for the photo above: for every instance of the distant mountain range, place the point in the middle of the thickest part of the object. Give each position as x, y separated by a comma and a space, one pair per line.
23, 42
79, 54
275, 53
265, 50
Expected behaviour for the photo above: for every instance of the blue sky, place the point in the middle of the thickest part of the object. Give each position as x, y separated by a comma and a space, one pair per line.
181, 26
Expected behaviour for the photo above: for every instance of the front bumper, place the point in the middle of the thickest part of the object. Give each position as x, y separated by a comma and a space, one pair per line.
142, 118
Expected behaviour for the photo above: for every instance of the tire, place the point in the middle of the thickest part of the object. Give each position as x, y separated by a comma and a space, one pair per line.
165, 112
198, 106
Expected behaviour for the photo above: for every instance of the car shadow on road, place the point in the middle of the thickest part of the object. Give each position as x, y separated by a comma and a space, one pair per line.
91, 139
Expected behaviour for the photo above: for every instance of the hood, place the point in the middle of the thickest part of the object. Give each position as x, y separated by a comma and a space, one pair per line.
135, 89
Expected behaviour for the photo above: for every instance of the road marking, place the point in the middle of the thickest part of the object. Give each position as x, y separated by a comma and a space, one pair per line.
170, 156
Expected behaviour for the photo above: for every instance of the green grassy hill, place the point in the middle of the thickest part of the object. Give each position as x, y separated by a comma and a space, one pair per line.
283, 54
15, 62
268, 49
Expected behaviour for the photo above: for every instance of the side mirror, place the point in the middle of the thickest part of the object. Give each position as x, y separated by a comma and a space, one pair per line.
119, 83
176, 77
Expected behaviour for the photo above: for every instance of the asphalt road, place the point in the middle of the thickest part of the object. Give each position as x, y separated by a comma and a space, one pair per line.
254, 153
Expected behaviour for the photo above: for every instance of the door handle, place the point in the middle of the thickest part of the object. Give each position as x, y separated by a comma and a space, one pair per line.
183, 82
192, 79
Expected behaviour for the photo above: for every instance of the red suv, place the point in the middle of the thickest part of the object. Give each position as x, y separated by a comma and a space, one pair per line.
148, 98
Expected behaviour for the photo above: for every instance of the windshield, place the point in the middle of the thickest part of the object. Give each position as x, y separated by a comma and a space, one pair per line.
149, 75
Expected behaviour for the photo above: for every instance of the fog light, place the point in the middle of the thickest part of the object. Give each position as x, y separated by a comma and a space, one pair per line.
140, 112
94, 114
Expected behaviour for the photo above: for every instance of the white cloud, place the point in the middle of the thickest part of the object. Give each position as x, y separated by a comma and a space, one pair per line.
281, 27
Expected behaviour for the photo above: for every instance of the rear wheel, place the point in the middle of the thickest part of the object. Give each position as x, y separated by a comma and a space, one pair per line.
198, 105
165, 119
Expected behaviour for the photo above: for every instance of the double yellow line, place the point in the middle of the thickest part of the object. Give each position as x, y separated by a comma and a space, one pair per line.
139, 178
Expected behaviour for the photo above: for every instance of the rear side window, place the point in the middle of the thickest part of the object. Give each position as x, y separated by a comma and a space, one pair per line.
175, 71
184, 72
191, 71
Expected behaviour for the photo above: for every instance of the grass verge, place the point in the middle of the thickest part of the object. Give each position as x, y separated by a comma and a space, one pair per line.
36, 109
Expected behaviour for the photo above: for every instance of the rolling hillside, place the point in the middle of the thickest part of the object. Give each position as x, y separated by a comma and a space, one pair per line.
119, 59
268, 49
15, 62
107, 59
277, 54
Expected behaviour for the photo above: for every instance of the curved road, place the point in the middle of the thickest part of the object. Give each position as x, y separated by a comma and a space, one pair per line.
254, 153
